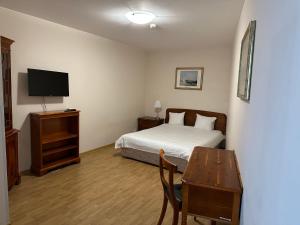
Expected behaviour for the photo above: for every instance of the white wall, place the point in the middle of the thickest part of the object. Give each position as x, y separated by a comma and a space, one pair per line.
265, 132
106, 79
3, 178
160, 80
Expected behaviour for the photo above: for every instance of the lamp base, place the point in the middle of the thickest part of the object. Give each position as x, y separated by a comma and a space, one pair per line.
157, 110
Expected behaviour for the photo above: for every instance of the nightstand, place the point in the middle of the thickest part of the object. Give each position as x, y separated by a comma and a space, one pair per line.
147, 122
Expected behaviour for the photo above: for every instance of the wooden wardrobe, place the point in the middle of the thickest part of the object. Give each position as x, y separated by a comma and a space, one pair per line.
11, 134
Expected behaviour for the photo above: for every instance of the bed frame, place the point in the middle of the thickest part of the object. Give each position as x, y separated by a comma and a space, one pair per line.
189, 120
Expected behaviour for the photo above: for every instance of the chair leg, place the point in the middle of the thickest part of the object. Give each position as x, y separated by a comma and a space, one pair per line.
175, 216
163, 211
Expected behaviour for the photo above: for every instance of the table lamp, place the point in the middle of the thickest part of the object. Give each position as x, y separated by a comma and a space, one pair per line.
157, 108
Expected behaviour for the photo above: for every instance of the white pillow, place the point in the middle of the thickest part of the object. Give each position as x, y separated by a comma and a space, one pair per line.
176, 118
205, 123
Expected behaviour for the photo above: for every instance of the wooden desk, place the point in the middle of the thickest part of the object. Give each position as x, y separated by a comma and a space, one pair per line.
212, 186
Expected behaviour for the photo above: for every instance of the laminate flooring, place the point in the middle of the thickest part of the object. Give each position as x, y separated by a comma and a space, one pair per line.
104, 189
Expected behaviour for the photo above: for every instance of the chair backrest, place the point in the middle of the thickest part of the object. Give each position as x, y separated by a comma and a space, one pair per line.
168, 185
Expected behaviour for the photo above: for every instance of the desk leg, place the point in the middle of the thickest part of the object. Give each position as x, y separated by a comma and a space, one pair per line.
185, 203
236, 209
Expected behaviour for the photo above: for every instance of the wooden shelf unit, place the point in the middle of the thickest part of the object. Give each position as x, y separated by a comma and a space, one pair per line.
59, 136
54, 140
11, 134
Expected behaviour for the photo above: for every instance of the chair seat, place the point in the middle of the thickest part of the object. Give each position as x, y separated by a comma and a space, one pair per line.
177, 190
178, 194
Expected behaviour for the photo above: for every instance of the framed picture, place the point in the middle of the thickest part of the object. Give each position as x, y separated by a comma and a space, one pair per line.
189, 78
246, 62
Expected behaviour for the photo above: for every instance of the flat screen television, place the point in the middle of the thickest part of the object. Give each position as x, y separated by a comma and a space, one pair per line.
47, 83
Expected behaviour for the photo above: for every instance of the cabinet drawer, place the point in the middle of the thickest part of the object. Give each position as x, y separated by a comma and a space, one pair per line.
211, 203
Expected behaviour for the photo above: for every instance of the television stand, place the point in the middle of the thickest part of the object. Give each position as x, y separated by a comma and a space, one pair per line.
54, 140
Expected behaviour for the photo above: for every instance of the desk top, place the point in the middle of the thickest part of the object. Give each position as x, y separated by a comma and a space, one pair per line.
53, 113
213, 168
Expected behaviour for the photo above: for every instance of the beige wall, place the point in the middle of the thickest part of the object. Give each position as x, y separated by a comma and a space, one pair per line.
160, 80
265, 131
106, 79
111, 83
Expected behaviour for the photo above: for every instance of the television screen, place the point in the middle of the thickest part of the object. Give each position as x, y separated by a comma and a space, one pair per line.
47, 83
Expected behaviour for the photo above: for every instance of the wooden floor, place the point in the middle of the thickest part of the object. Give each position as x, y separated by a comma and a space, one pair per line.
104, 189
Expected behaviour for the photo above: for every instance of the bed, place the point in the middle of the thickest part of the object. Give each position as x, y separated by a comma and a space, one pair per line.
177, 141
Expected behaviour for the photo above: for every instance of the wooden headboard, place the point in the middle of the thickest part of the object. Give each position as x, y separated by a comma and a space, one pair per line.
191, 115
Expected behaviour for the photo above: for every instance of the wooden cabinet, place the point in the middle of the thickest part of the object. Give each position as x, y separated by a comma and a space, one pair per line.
11, 135
54, 140
6, 79
13, 175
149, 122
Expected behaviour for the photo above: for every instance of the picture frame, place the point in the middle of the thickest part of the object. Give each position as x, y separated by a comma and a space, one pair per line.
246, 62
189, 78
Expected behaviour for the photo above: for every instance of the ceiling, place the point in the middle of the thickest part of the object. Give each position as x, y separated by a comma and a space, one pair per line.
181, 24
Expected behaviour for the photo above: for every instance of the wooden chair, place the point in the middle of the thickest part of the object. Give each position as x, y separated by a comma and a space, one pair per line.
172, 192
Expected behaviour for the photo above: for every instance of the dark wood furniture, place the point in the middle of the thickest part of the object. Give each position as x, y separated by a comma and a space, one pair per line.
54, 140
191, 115
211, 186
147, 122
172, 192
6, 78
11, 134
13, 174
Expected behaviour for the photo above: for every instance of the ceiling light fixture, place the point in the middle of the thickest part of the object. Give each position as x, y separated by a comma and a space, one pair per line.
140, 17
152, 25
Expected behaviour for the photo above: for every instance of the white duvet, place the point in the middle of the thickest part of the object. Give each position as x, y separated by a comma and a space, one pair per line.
177, 141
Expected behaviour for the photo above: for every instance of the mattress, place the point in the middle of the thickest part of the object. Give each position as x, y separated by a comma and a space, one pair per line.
177, 141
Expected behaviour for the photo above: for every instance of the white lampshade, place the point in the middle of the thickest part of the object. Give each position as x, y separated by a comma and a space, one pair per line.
157, 104
140, 17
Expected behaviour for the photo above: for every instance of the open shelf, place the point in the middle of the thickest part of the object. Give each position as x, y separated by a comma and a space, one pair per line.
58, 136
61, 162
54, 140
58, 150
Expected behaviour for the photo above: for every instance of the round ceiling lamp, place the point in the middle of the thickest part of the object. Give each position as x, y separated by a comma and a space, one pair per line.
140, 17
